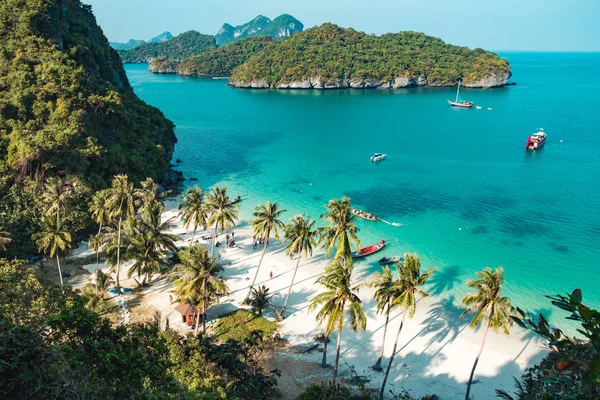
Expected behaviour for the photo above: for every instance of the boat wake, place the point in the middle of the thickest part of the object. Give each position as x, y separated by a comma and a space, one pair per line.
394, 223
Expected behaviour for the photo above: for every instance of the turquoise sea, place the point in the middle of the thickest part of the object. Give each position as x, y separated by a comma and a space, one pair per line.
459, 180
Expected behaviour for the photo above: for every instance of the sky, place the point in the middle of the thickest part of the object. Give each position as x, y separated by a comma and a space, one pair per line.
501, 25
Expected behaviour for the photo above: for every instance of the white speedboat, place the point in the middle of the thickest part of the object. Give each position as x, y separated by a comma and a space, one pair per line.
378, 157
536, 141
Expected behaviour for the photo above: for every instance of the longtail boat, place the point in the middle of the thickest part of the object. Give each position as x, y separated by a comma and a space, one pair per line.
363, 214
237, 199
367, 251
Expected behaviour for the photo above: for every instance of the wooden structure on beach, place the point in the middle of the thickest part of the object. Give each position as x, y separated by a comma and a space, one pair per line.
189, 313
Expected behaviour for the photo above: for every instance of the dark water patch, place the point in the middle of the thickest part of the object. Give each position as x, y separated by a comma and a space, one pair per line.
444, 279
318, 198
561, 248
493, 201
518, 243
521, 226
479, 230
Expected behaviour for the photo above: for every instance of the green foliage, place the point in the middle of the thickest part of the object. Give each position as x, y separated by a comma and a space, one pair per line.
240, 324
330, 391
259, 299
281, 27
52, 346
177, 49
218, 62
572, 369
335, 54
131, 44
67, 109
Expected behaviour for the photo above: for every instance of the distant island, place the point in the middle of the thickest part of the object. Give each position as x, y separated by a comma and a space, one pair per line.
281, 27
331, 57
133, 43
177, 48
217, 62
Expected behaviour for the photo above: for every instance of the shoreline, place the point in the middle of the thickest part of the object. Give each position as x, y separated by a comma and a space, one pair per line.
436, 348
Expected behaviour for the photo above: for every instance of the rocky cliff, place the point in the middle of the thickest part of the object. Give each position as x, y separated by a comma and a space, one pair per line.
281, 27
330, 57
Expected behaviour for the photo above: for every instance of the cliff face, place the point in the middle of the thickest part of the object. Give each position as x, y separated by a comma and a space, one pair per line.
330, 57
280, 28
66, 106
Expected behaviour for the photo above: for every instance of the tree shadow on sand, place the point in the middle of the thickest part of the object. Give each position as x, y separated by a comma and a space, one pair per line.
444, 279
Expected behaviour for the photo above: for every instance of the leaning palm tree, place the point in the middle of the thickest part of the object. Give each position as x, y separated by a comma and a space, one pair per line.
407, 288
266, 221
196, 280
384, 295
300, 236
260, 299
52, 239
193, 210
4, 239
340, 296
222, 212
489, 307
341, 229
121, 206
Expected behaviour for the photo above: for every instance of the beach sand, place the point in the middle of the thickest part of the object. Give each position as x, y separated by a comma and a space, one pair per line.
436, 349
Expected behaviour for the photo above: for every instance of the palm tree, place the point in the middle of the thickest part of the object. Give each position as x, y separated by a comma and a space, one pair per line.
341, 229
95, 243
53, 196
121, 206
101, 215
300, 235
103, 282
4, 239
341, 296
52, 239
266, 221
260, 299
407, 288
192, 208
488, 306
222, 212
196, 280
385, 293
149, 243
147, 195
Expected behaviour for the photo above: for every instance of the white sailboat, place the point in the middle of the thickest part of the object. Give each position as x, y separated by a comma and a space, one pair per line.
458, 102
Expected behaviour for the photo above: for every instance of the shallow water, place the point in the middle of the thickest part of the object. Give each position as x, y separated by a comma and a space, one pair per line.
459, 180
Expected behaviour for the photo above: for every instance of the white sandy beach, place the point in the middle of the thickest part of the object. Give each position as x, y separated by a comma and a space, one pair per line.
436, 347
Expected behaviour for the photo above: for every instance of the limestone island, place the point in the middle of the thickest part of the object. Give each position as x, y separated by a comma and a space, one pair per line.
331, 57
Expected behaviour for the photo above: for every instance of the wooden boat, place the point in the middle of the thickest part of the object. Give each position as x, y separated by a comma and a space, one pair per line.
236, 200
536, 141
458, 102
390, 260
367, 251
363, 214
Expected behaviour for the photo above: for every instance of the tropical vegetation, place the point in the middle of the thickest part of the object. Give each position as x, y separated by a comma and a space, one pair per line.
222, 212
281, 27
341, 231
336, 56
178, 48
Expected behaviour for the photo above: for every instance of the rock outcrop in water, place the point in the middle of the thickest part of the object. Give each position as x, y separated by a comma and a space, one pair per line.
330, 57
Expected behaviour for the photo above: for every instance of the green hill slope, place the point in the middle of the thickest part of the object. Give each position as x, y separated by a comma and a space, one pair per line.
178, 48
217, 62
281, 27
329, 57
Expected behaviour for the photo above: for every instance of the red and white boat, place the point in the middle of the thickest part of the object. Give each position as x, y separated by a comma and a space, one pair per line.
367, 251
237, 199
536, 141
363, 214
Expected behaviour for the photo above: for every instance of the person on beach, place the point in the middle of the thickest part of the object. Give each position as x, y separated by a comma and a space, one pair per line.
171, 298
271, 274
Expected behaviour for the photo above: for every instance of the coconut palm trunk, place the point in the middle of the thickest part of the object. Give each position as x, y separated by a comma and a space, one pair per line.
257, 269
324, 360
290, 289
476, 361
337, 352
119, 255
197, 323
212, 252
204, 306
389, 367
377, 366
59, 271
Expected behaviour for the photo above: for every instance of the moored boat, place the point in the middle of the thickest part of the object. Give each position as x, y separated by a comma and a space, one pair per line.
363, 214
378, 157
367, 251
237, 199
390, 260
536, 141
458, 102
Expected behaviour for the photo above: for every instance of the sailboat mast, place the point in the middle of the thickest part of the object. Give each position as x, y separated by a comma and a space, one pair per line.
457, 91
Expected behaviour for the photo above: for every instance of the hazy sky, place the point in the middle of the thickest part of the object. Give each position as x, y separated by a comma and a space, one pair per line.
544, 25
